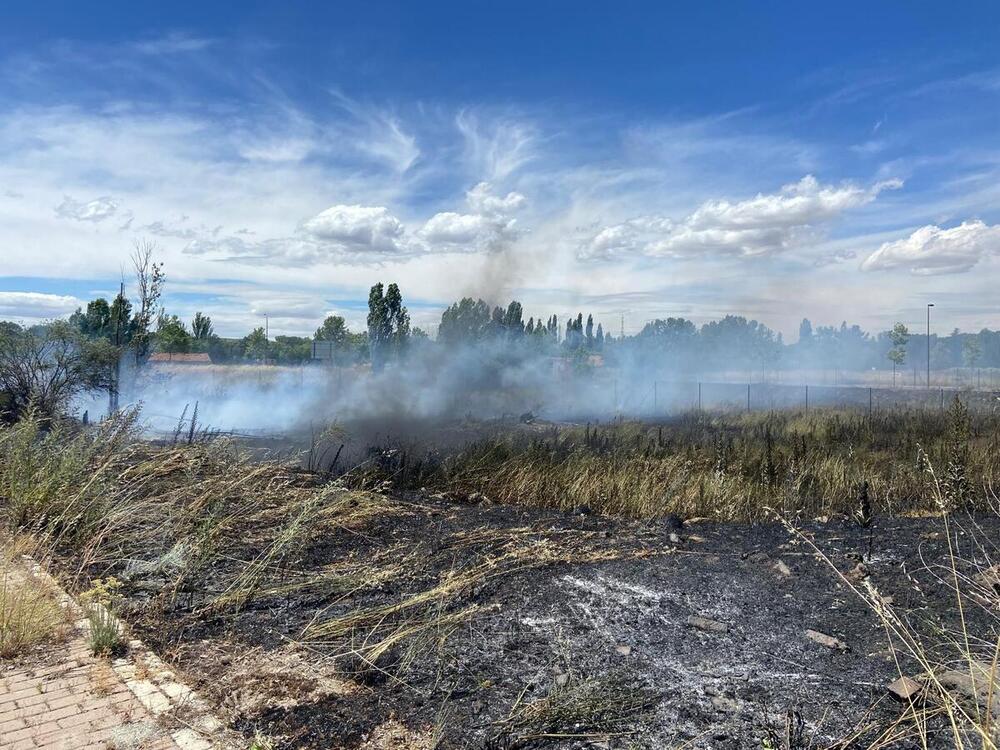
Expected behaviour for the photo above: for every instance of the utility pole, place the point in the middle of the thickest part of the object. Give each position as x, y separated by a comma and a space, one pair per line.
267, 333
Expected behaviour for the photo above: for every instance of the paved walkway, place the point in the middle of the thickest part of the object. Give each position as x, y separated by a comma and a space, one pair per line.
67, 699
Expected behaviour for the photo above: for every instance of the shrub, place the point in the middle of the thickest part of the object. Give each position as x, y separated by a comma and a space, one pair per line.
99, 602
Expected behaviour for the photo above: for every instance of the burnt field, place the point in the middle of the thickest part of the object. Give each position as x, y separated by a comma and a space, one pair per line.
753, 581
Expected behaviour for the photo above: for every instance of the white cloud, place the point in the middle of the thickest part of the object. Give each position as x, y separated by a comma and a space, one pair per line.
763, 225
488, 228
96, 210
35, 305
341, 233
933, 250
449, 227
800, 203
357, 229
482, 201
356, 233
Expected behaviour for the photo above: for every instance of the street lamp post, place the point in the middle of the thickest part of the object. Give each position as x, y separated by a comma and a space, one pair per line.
929, 306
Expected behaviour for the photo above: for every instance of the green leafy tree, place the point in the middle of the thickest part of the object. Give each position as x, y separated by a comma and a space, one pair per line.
388, 325
96, 322
44, 367
805, 332
898, 336
201, 327
255, 345
464, 322
513, 321
972, 351
122, 324
172, 335
291, 350
149, 280
334, 329
345, 343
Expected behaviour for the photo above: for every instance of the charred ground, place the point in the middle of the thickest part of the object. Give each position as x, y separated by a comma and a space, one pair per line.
319, 611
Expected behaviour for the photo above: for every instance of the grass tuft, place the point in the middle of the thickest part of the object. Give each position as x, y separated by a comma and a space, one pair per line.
30, 615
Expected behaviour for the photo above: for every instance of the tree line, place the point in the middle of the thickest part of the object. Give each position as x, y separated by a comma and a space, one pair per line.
47, 364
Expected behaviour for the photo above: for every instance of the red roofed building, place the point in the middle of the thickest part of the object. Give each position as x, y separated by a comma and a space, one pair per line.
192, 358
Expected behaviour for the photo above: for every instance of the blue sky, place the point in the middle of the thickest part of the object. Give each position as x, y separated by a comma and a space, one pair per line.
638, 159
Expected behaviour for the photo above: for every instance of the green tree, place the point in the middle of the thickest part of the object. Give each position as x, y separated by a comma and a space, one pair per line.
96, 322
292, 350
334, 329
972, 350
149, 280
201, 327
898, 336
172, 335
464, 322
345, 343
44, 367
255, 345
388, 325
805, 332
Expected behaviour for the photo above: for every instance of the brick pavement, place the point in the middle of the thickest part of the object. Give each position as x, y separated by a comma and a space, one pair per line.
65, 698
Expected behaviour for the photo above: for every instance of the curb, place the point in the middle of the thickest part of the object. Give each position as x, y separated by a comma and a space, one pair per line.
151, 681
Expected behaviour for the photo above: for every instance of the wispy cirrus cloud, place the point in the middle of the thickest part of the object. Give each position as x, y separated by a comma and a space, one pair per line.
172, 43
495, 148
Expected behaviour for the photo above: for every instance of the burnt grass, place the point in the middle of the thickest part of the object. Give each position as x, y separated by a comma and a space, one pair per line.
576, 635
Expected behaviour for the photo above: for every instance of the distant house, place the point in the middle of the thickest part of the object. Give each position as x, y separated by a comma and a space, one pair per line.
193, 358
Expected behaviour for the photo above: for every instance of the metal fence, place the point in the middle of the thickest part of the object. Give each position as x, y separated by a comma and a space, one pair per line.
672, 396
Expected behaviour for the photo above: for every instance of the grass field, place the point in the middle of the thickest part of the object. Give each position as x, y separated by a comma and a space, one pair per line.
739, 467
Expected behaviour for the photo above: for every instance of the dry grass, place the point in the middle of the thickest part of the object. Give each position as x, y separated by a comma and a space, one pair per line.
957, 668
729, 467
593, 708
30, 614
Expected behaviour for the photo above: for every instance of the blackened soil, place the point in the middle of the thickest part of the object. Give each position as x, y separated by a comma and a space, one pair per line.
582, 599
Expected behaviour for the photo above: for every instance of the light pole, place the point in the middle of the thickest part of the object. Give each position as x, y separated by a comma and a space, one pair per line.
929, 306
